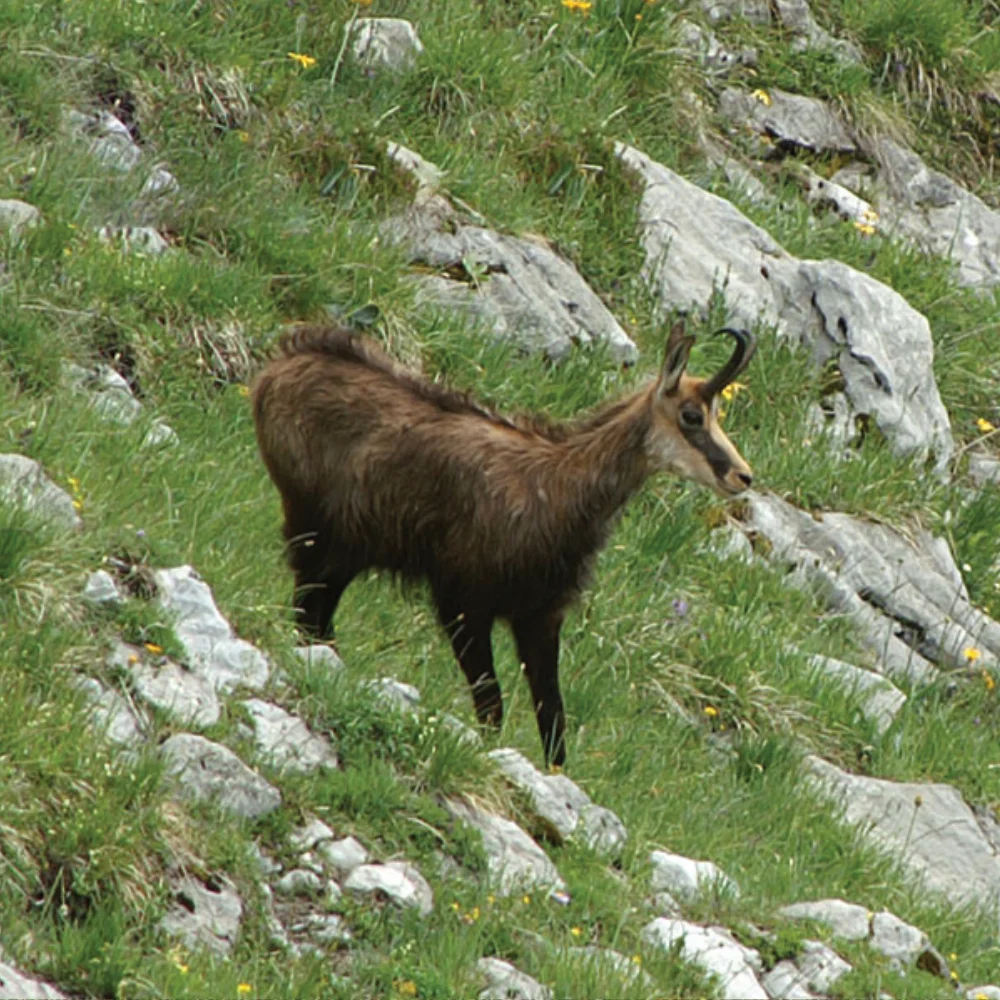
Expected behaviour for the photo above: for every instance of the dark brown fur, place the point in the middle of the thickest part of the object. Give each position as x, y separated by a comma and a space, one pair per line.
378, 467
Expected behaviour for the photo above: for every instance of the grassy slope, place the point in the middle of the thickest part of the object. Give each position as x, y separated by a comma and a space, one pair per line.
275, 224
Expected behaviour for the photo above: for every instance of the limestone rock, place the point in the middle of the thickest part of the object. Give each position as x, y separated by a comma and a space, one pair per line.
15, 985
891, 585
786, 982
307, 837
101, 589
505, 982
213, 650
286, 740
689, 880
754, 11
716, 951
396, 696
984, 470
16, 217
983, 993
930, 209
928, 826
905, 945
399, 880
697, 243
298, 882
209, 771
519, 289
879, 699
343, 856
821, 966
143, 240
797, 18
515, 860
120, 721
320, 656
167, 686
324, 928
845, 920
564, 808
388, 43
23, 483
703, 46
791, 120
204, 914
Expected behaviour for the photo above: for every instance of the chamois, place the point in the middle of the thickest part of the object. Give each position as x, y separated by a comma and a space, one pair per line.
378, 467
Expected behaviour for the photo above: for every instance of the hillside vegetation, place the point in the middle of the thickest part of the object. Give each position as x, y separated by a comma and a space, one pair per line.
690, 699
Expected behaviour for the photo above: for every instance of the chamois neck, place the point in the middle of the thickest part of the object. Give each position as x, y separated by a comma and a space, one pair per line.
606, 459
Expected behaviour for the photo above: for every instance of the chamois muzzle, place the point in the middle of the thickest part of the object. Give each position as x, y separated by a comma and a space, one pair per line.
746, 345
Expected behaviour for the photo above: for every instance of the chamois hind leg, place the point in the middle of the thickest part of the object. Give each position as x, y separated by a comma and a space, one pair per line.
470, 639
537, 637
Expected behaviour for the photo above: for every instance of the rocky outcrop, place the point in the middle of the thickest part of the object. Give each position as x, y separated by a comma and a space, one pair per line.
285, 741
689, 880
204, 914
563, 809
23, 483
697, 244
506, 982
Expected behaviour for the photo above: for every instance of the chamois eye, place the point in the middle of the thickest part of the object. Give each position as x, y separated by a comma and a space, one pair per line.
692, 418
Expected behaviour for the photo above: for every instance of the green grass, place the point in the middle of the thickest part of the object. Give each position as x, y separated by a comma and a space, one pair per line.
284, 182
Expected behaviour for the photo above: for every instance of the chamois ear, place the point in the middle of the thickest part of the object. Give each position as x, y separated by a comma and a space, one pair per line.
675, 358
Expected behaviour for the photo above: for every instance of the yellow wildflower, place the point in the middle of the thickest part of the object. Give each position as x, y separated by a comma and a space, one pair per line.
244, 135
731, 390
576, 931
133, 660
243, 390
244, 988
151, 647
954, 976
711, 711
972, 654
455, 907
526, 900
953, 957
581, 5
405, 987
984, 425
869, 215
491, 899
363, 3
865, 228
74, 483
77, 505
988, 680
763, 96
182, 968
637, 959
306, 62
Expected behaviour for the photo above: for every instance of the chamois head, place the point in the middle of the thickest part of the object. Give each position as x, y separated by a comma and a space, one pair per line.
686, 438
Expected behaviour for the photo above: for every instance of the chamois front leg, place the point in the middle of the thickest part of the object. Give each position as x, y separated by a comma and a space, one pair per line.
537, 638
470, 639
318, 588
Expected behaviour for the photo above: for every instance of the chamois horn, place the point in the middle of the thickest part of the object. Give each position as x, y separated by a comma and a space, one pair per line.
746, 344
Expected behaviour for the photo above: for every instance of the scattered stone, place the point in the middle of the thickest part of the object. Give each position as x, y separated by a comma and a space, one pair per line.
880, 700
320, 656
796, 16
563, 807
465, 734
120, 721
101, 589
209, 771
821, 966
266, 865
827, 193
388, 43
703, 46
333, 893
716, 951
940, 216
311, 862
213, 650
928, 826
24, 484
15, 985
298, 882
517, 288
665, 905
394, 695
515, 861
753, 11
286, 740
845, 920
308, 836
729, 543
689, 880
505, 982
983, 993
786, 982
697, 244
143, 240
427, 175
204, 914
984, 470
905, 945
398, 880
16, 217
791, 120
343, 856
326, 928
869, 572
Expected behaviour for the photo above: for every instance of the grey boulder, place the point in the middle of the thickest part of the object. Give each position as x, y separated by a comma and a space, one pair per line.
506, 982
24, 484
286, 741
204, 914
